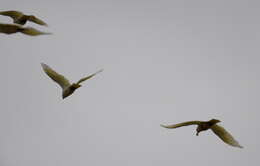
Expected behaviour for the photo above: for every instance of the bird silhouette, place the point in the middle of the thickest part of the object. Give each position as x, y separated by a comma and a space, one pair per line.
20, 18
14, 28
211, 124
67, 87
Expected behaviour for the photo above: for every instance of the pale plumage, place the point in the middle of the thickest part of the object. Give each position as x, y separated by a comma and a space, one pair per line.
225, 136
205, 125
14, 28
20, 18
67, 87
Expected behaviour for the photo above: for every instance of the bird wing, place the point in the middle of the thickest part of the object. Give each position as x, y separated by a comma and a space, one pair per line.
181, 124
9, 28
13, 14
60, 79
88, 77
32, 31
37, 20
225, 136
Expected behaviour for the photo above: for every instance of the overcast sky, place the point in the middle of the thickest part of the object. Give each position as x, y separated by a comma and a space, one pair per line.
164, 62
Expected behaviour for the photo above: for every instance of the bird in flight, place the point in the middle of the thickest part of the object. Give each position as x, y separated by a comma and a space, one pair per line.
211, 124
67, 87
20, 18
14, 28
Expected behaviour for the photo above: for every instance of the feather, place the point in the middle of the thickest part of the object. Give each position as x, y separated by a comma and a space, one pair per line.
37, 20
21, 18
32, 31
181, 124
58, 78
88, 77
13, 14
225, 136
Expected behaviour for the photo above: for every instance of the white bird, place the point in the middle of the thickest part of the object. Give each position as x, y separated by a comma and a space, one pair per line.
67, 87
14, 28
20, 18
205, 125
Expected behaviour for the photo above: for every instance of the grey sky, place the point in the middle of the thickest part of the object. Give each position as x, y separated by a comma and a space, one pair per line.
165, 62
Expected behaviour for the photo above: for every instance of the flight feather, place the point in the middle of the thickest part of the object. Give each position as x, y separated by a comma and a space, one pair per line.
58, 78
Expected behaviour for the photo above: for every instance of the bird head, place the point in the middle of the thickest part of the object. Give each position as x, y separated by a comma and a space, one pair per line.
31, 17
214, 121
76, 86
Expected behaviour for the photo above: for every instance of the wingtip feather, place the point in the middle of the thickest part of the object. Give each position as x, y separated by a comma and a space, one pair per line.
44, 65
99, 71
164, 126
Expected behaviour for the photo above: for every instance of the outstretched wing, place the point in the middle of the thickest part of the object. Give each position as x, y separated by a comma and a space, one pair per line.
181, 124
11, 13
88, 77
37, 20
225, 136
32, 31
9, 28
60, 79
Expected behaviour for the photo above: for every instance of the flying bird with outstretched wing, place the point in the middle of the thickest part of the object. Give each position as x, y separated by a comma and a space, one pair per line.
14, 28
211, 124
20, 18
67, 87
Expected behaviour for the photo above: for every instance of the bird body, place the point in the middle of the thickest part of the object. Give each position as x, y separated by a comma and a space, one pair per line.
67, 87
205, 125
14, 28
20, 18
69, 90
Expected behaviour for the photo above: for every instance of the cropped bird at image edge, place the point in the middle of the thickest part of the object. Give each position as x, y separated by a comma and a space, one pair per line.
211, 124
20, 18
14, 28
